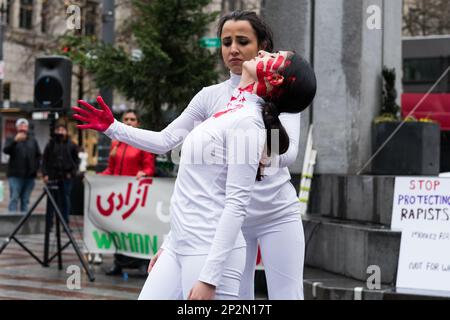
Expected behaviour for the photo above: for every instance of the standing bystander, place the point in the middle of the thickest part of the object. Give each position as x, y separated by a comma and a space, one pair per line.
23, 165
60, 165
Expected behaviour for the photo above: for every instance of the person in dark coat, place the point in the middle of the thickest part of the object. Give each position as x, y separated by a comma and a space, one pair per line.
24, 160
60, 166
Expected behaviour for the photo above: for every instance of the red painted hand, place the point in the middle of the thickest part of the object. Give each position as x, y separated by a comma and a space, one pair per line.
95, 119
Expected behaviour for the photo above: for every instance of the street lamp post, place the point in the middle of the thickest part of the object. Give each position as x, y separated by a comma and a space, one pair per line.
108, 35
108, 26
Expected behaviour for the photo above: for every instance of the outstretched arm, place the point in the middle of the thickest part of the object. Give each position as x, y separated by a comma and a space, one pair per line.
102, 120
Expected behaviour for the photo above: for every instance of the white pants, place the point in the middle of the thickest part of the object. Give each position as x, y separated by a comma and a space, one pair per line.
282, 252
174, 275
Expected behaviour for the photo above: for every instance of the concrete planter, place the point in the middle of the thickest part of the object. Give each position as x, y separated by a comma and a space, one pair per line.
349, 249
413, 150
366, 199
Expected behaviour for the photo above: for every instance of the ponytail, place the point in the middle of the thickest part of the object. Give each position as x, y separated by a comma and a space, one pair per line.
272, 122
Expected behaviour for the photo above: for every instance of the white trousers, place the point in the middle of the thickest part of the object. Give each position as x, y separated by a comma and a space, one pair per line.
174, 275
282, 252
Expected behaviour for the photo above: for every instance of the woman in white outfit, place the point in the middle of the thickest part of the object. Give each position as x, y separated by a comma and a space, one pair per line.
272, 214
220, 162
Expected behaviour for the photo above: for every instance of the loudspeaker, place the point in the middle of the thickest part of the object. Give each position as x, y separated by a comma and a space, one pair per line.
53, 83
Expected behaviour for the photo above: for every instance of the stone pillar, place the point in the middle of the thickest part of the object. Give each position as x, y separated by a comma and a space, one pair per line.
291, 25
352, 40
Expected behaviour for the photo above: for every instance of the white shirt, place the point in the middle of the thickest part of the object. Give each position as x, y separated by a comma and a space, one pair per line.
201, 191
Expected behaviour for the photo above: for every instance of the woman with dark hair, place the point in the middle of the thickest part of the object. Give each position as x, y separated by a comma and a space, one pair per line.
205, 255
241, 32
272, 214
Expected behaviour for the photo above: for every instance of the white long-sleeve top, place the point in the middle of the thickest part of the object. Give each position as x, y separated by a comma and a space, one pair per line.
273, 199
218, 167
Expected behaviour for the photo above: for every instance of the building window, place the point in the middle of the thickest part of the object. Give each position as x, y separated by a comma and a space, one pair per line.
7, 91
6, 95
425, 70
90, 18
45, 13
26, 14
8, 12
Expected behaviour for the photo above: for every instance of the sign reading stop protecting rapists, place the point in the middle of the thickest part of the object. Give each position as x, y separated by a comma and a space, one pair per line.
421, 202
125, 215
421, 210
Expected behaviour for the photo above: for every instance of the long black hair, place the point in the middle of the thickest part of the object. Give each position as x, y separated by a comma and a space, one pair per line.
262, 30
294, 95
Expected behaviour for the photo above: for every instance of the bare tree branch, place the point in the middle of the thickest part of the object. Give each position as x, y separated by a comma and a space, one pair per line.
426, 17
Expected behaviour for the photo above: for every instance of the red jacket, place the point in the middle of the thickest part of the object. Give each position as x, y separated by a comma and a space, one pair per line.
128, 161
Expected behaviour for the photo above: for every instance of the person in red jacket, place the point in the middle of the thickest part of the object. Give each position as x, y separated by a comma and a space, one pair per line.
125, 160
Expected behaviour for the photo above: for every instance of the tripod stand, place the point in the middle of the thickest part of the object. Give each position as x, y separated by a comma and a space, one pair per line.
59, 219
51, 191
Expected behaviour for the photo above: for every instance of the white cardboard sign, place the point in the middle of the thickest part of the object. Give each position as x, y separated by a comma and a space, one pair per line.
424, 261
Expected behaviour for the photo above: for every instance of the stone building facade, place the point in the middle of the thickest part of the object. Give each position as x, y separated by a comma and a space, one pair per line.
31, 27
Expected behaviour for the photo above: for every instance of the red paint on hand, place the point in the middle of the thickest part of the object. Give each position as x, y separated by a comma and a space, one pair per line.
95, 119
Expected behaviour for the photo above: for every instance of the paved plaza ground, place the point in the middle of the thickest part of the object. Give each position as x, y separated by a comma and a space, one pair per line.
22, 277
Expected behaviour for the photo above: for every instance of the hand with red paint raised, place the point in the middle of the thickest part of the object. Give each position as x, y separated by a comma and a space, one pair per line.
95, 119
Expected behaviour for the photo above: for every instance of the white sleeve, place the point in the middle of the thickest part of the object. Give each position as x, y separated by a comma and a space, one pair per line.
241, 177
290, 122
167, 139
